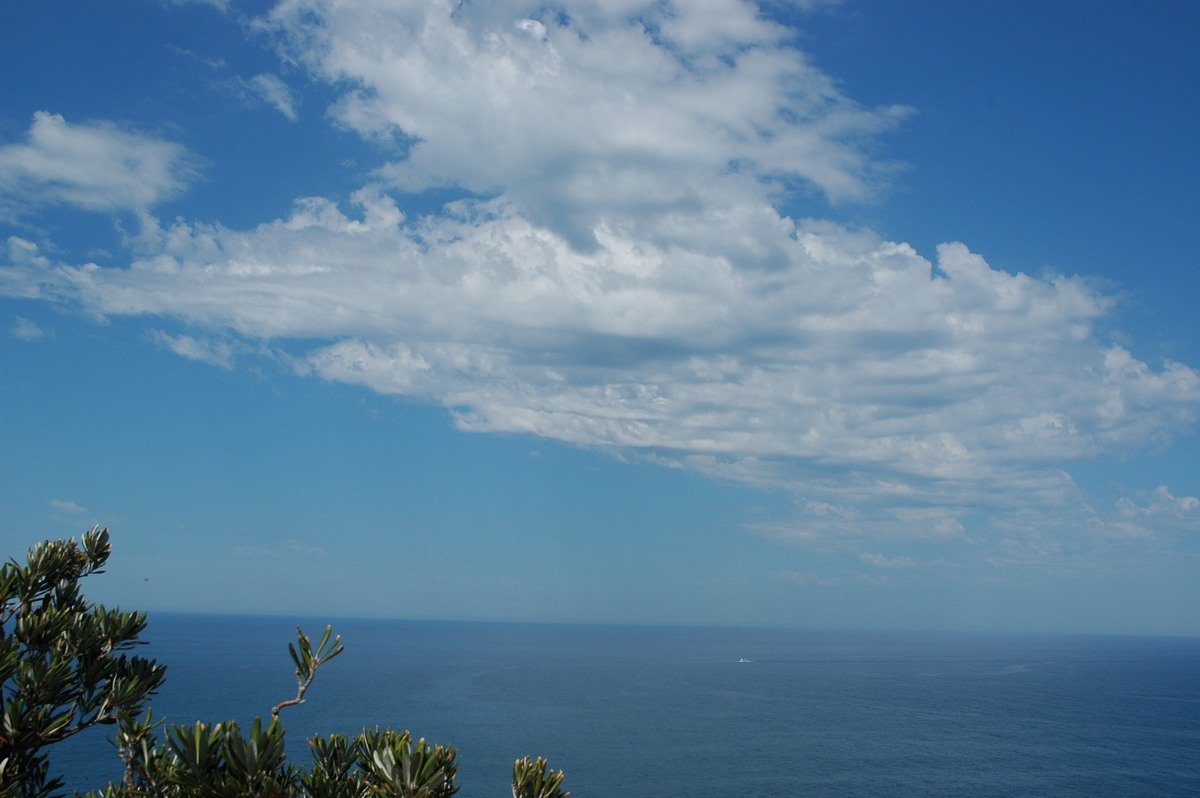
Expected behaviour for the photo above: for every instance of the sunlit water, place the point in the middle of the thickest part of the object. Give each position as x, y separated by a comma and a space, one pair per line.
643, 711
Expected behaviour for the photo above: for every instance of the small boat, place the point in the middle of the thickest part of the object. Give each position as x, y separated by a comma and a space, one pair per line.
743, 659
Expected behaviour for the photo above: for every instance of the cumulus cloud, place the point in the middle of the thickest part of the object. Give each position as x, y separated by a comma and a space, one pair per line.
1158, 508
622, 275
618, 111
848, 373
97, 166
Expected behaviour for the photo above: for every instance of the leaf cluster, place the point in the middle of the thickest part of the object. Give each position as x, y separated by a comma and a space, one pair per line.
63, 661
221, 761
534, 779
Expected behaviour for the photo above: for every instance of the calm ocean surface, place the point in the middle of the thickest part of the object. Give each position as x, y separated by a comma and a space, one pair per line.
654, 711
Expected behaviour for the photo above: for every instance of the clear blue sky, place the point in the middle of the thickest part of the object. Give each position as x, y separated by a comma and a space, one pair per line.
859, 314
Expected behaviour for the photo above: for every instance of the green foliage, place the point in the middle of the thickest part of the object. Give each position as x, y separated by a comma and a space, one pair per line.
204, 760
534, 779
412, 770
61, 673
219, 761
62, 666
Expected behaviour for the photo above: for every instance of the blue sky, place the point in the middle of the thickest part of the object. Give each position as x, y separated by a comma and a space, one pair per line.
858, 314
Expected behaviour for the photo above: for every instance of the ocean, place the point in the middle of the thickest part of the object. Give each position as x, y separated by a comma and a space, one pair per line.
640, 711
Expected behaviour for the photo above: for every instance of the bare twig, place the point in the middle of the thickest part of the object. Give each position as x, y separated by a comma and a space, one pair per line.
307, 661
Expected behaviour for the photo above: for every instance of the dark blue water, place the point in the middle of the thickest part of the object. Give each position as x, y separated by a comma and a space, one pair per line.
641, 711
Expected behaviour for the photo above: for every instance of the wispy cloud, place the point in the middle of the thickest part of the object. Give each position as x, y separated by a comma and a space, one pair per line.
307, 549
215, 353
220, 5
881, 561
807, 578
67, 507
289, 550
26, 330
270, 89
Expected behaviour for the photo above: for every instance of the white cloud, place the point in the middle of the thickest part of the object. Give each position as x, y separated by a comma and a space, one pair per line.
96, 166
220, 5
1161, 504
845, 373
599, 120
291, 549
630, 283
270, 88
883, 512
30, 266
67, 507
25, 330
880, 561
306, 549
215, 353
704, 26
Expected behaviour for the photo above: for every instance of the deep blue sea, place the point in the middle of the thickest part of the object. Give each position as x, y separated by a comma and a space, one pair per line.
665, 711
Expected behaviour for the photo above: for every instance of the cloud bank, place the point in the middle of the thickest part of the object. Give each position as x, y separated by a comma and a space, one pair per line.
620, 273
